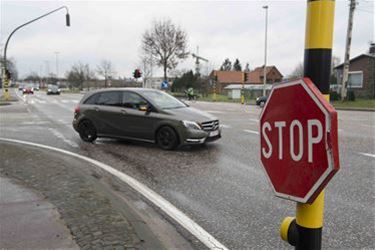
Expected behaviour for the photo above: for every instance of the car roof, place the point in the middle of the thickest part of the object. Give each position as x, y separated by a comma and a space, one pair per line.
136, 90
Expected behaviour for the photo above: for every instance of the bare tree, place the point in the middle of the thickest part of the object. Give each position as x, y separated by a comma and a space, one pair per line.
145, 65
106, 70
297, 71
247, 67
79, 73
166, 43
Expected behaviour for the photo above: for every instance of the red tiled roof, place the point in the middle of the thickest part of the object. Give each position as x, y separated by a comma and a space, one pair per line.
253, 77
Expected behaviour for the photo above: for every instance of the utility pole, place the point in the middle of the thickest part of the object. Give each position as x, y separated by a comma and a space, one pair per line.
57, 64
345, 74
265, 54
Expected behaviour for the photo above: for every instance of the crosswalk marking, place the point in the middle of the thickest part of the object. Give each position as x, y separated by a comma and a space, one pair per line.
38, 101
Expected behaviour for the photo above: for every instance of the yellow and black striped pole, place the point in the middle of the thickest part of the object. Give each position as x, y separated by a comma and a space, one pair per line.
305, 231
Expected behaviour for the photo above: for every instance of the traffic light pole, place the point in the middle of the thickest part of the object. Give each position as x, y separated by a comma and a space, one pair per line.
6, 74
214, 88
305, 231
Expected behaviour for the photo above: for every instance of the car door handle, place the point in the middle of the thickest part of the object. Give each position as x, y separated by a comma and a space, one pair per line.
96, 109
123, 111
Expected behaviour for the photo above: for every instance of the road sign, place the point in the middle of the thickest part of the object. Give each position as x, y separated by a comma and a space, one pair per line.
298, 138
164, 85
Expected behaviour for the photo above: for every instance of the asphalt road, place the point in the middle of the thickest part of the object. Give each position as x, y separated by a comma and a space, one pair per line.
221, 186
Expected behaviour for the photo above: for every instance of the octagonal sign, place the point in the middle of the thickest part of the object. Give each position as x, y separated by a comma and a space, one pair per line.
298, 138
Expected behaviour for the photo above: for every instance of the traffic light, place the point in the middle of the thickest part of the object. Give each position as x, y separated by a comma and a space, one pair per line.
245, 77
137, 73
8, 75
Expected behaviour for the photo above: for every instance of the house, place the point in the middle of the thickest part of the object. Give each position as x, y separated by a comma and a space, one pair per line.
226, 78
361, 75
273, 75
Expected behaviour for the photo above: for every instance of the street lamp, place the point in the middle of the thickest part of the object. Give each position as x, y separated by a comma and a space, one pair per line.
265, 54
5, 70
57, 64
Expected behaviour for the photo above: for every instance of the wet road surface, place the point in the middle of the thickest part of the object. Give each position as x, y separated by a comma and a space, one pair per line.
221, 185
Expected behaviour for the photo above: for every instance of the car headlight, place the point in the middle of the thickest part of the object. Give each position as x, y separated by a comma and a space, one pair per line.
257, 98
49, 90
191, 125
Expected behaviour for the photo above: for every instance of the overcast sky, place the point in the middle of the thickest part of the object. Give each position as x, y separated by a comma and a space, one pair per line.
112, 30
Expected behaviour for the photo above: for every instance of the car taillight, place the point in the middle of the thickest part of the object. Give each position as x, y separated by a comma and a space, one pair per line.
77, 110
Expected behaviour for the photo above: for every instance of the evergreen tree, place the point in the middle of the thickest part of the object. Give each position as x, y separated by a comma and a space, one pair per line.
187, 80
226, 66
237, 65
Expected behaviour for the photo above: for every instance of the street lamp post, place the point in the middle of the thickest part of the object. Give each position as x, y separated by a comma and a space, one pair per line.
57, 64
6, 74
265, 54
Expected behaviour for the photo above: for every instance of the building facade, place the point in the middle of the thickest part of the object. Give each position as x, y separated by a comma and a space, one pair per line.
254, 77
361, 76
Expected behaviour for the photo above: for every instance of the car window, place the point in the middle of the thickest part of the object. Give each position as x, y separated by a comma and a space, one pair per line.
112, 98
132, 100
163, 100
92, 99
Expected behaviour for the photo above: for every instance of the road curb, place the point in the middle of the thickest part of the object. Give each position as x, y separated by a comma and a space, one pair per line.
355, 109
165, 206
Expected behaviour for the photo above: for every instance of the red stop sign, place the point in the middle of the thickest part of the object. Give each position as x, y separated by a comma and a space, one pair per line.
298, 138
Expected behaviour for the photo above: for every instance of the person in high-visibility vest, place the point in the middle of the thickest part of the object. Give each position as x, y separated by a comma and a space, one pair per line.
190, 93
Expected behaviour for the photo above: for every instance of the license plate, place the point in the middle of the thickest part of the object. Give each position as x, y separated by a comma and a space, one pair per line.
214, 133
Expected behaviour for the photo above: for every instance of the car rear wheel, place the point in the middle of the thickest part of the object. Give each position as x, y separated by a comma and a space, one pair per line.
87, 131
166, 138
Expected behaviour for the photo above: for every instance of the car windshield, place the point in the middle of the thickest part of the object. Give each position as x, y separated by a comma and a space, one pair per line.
163, 100
53, 87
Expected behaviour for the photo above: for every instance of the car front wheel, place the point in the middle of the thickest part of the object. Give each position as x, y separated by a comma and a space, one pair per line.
166, 138
87, 131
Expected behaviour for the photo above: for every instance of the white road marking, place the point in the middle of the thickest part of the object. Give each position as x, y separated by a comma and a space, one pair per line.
225, 126
214, 111
251, 131
254, 120
74, 101
366, 154
62, 137
149, 194
35, 123
365, 125
65, 101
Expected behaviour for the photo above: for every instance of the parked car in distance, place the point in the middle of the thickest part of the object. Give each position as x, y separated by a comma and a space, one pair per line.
261, 101
53, 90
27, 90
36, 87
143, 114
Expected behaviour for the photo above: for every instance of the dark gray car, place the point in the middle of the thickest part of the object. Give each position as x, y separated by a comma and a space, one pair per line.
143, 114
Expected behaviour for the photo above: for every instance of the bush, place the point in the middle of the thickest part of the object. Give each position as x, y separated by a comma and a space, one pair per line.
334, 96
